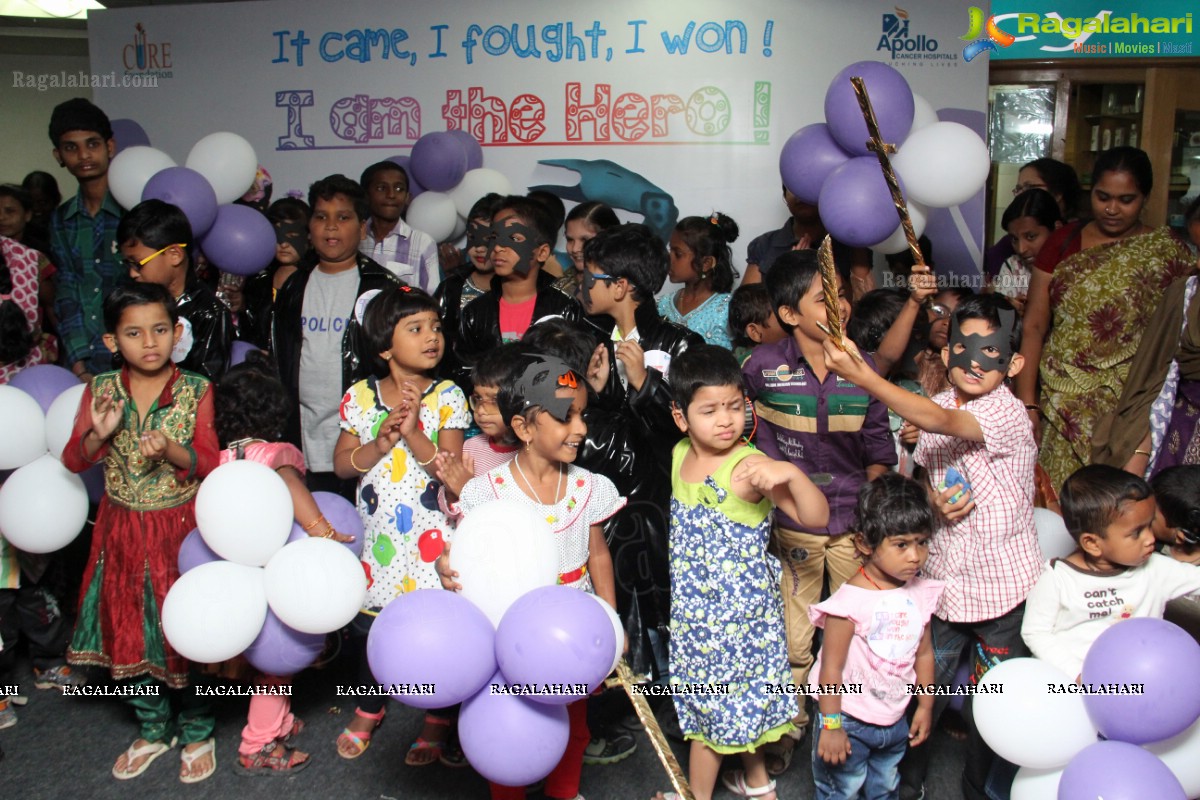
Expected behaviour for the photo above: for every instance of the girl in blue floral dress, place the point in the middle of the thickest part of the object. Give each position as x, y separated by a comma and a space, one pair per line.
728, 644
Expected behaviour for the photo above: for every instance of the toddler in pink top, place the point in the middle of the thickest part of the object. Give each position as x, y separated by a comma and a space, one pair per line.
876, 647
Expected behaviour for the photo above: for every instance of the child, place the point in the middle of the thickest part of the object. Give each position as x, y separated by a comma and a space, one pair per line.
155, 238
702, 262
252, 301
583, 223
523, 234
834, 432
251, 407
392, 426
543, 400
316, 333
475, 276
1177, 524
985, 547
495, 443
83, 235
877, 636
1029, 220
1110, 515
726, 610
152, 425
409, 254
752, 320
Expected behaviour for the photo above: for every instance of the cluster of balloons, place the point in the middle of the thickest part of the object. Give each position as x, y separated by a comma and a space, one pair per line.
220, 168
445, 177
532, 633
938, 164
1151, 739
43, 505
253, 583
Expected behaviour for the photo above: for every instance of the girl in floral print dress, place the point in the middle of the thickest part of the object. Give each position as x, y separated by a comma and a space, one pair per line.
393, 428
727, 626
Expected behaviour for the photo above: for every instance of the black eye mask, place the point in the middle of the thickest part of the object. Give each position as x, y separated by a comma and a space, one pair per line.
502, 236
540, 382
588, 279
479, 235
293, 233
975, 344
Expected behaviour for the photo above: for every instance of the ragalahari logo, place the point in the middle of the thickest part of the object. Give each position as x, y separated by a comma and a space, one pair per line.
990, 33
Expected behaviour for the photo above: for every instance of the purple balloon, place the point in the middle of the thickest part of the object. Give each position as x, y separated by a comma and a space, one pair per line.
43, 382
557, 635
341, 513
807, 158
509, 740
405, 163
241, 241
439, 161
891, 98
190, 192
471, 145
128, 133
280, 650
1153, 653
1118, 771
194, 552
433, 637
239, 351
855, 203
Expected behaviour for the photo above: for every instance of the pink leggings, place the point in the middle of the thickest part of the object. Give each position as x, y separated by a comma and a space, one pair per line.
269, 718
563, 782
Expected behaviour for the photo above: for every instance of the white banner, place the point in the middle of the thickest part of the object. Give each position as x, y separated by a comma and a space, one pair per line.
674, 108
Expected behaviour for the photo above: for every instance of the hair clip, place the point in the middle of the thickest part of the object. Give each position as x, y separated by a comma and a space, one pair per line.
713, 219
568, 380
5, 297
405, 288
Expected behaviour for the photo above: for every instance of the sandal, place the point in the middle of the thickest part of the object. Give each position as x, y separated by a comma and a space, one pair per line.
296, 729
435, 748
452, 754
269, 761
360, 740
151, 751
779, 755
735, 782
207, 748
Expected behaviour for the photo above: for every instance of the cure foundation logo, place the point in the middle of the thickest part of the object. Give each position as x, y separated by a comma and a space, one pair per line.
981, 36
897, 39
143, 55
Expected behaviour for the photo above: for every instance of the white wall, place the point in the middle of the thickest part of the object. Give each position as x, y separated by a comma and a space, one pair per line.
24, 141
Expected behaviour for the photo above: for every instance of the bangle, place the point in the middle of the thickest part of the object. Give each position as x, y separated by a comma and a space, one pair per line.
1140, 452
316, 522
1032, 407
830, 722
356, 467
431, 458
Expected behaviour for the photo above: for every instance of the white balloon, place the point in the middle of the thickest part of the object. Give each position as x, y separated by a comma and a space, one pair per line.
943, 164
227, 161
1052, 534
433, 213
1181, 753
43, 506
215, 611
1036, 784
132, 169
315, 585
475, 184
618, 628
924, 114
501, 550
22, 428
60, 419
898, 242
1020, 692
460, 227
244, 512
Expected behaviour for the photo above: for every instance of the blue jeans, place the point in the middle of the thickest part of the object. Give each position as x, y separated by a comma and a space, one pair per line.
872, 766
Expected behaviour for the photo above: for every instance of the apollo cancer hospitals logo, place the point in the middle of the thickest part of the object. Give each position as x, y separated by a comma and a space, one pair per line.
976, 28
